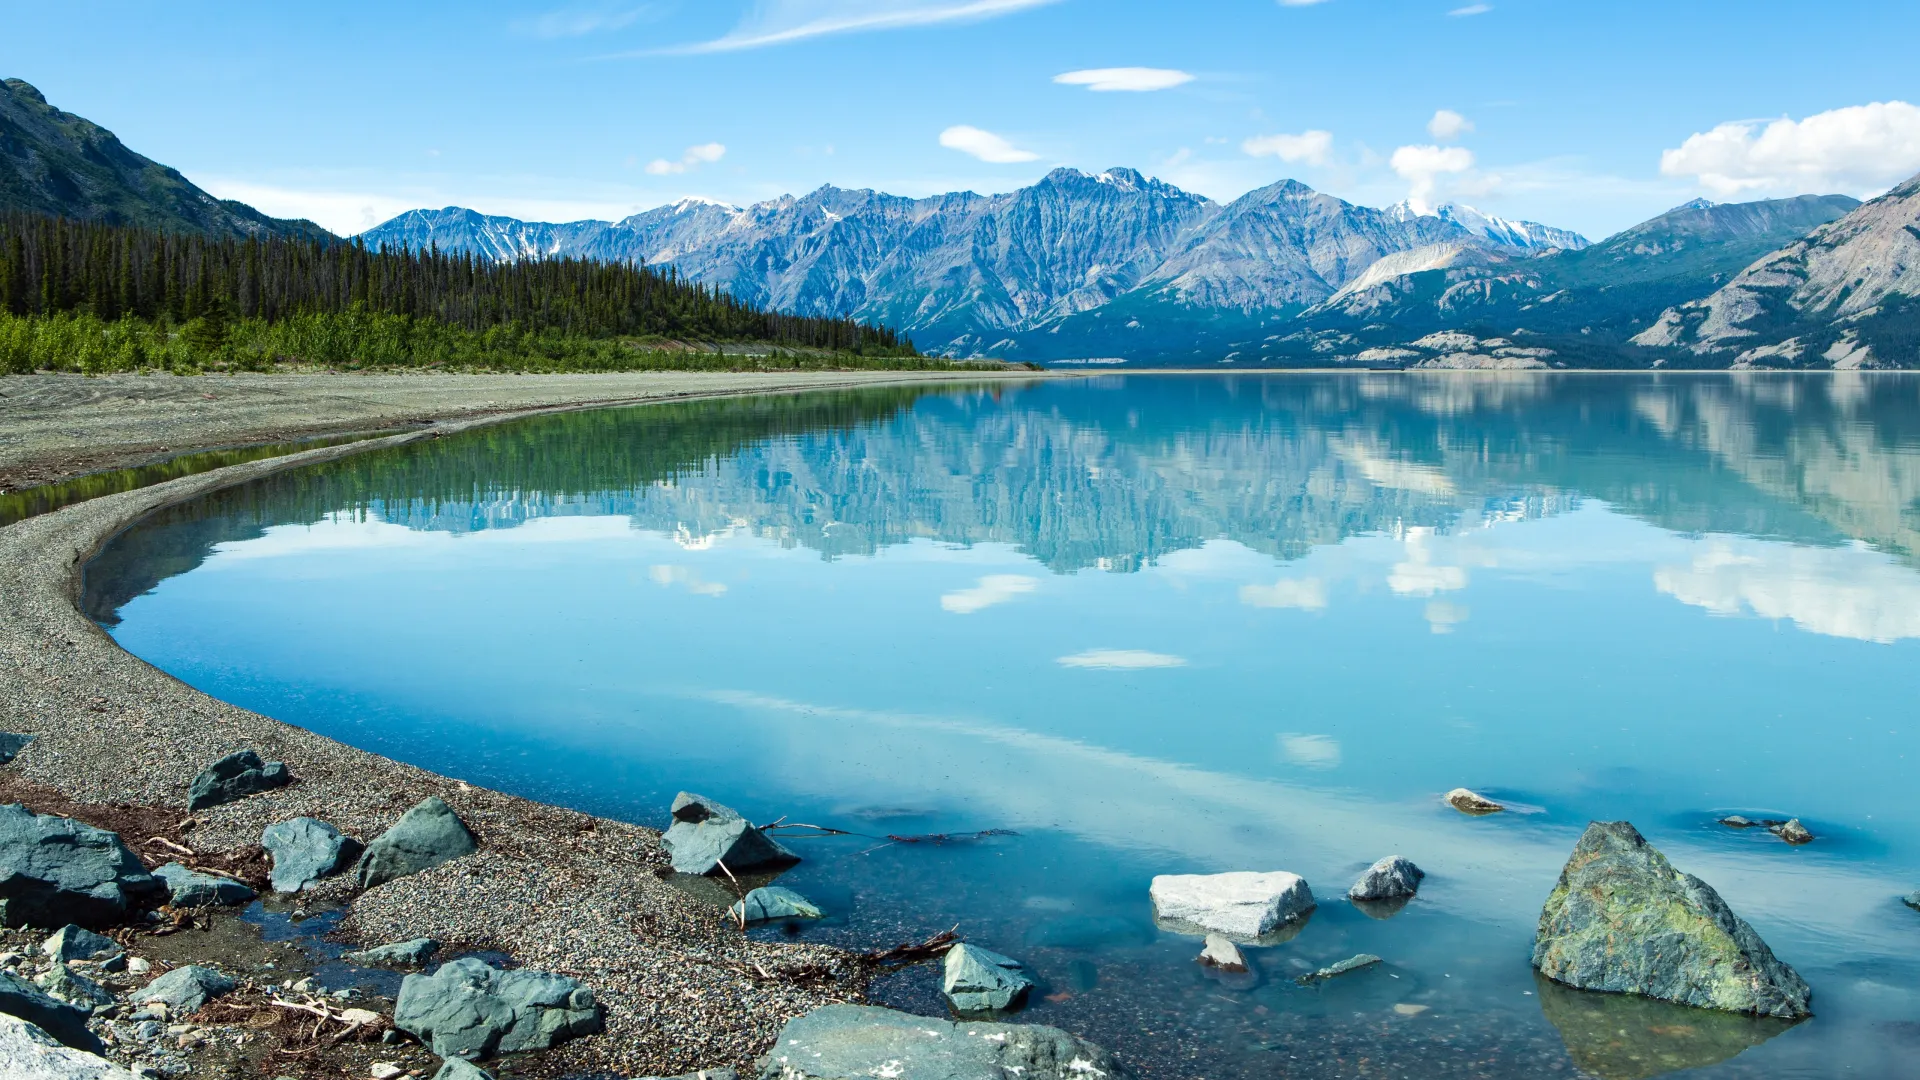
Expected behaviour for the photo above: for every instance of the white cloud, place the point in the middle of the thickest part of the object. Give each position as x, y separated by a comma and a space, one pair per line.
1442, 616
1849, 592
696, 156
1862, 149
1423, 165
1309, 147
1471, 9
1310, 751
984, 145
1125, 78
1305, 594
992, 589
1121, 659
780, 22
579, 20
685, 578
1418, 575
1448, 125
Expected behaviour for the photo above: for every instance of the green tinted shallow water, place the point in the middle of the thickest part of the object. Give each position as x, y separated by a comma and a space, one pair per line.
1161, 624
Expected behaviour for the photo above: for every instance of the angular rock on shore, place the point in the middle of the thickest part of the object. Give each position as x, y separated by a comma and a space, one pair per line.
11, 745
235, 777
305, 850
1393, 877
414, 953
192, 889
27, 1050
845, 1042
1240, 903
63, 1021
773, 902
1623, 920
705, 834
469, 1009
425, 836
460, 1069
61, 982
55, 870
71, 942
185, 989
977, 980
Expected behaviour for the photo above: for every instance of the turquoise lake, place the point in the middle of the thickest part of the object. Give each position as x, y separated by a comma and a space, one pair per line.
1161, 624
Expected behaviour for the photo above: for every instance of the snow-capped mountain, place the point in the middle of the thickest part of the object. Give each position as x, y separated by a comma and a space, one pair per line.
1497, 231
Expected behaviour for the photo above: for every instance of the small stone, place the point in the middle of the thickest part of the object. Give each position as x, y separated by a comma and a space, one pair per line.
305, 850
10, 959
773, 902
461, 1069
1735, 821
385, 1070
425, 836
148, 1030
978, 980
304, 986
1241, 903
71, 942
1468, 802
185, 989
1221, 953
11, 745
414, 953
235, 777
1409, 1009
1792, 832
1912, 900
1334, 971
1391, 878
192, 889
705, 834
138, 966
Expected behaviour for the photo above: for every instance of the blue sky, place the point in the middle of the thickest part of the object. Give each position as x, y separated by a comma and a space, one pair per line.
1590, 116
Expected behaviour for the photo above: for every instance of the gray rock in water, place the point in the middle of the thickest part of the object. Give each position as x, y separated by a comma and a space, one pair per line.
1912, 900
185, 989
461, 1069
235, 777
71, 942
773, 902
11, 745
860, 1042
468, 1009
306, 850
1792, 832
1623, 920
414, 953
424, 837
63, 1021
1334, 971
29, 1053
1392, 877
978, 980
705, 834
1240, 904
60, 981
55, 870
190, 889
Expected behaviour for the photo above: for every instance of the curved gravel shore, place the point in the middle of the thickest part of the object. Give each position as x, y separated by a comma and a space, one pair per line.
555, 889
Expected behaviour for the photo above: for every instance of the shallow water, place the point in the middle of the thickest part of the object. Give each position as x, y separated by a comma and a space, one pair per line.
1152, 625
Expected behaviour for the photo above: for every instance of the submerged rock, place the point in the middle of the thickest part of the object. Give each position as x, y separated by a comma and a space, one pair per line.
1240, 903
63, 1021
842, 1042
1792, 832
1628, 1037
1394, 877
1334, 971
29, 1051
190, 889
71, 942
1222, 953
11, 745
978, 980
425, 836
55, 870
469, 1009
414, 953
235, 777
1623, 920
705, 834
773, 902
185, 989
1912, 900
1468, 802
306, 850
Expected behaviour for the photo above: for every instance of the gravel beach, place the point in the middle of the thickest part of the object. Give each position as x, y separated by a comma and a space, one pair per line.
118, 741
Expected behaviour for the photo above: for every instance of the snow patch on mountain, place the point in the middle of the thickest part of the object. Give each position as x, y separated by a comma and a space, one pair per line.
1501, 232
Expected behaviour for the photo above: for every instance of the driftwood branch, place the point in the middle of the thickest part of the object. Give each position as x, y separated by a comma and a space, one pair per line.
913, 952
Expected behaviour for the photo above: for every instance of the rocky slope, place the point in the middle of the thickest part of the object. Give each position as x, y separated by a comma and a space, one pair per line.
53, 162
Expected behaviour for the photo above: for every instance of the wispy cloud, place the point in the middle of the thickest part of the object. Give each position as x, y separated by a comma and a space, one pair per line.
1121, 659
1135, 79
1300, 3
1470, 9
696, 156
1305, 594
992, 589
581, 20
1310, 751
685, 578
984, 145
782, 22
1308, 147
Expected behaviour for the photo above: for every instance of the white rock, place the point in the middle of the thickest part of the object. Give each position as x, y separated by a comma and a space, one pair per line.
1223, 954
1241, 903
27, 1051
137, 966
385, 1070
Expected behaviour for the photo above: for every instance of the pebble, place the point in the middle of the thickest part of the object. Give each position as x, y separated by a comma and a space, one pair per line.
385, 1070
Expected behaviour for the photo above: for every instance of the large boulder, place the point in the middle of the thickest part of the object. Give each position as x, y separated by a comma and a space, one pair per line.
705, 834
424, 837
471, 1010
860, 1042
1239, 904
305, 850
978, 980
1623, 920
28, 1051
72, 942
773, 902
55, 870
63, 1021
1392, 878
235, 777
192, 889
185, 989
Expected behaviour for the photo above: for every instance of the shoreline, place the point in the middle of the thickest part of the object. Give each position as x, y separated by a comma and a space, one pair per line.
555, 889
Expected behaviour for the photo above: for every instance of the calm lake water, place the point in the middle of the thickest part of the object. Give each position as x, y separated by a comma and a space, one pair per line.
1159, 624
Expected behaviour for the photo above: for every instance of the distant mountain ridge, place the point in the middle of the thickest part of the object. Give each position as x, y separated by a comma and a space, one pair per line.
59, 164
